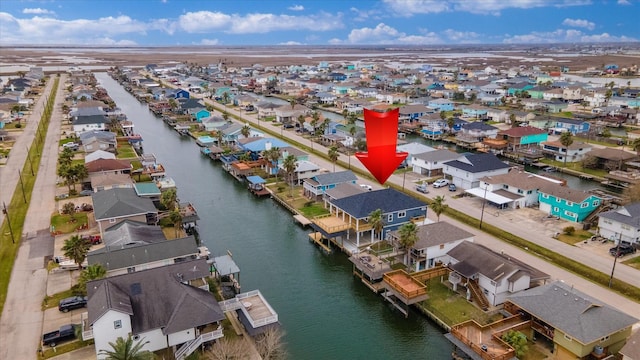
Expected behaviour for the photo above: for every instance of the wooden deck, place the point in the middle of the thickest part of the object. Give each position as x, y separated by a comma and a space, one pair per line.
404, 287
318, 239
302, 220
331, 224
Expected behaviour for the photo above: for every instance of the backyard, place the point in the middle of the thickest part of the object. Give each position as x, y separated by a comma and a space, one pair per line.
65, 224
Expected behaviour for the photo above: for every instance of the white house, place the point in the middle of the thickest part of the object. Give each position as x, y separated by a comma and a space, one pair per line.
467, 171
87, 123
574, 152
515, 189
622, 223
496, 276
434, 241
431, 163
156, 306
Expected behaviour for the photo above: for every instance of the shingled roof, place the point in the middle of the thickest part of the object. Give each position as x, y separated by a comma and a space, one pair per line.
387, 200
576, 314
157, 298
116, 203
437, 233
628, 214
477, 163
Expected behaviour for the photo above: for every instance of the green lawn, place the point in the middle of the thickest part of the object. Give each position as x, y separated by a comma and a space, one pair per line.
576, 237
65, 224
53, 300
49, 352
634, 262
449, 306
311, 211
126, 152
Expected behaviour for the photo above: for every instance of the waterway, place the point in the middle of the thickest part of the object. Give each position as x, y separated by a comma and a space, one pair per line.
325, 312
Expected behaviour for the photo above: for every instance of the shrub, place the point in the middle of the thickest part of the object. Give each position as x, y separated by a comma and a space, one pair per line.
18, 126
569, 230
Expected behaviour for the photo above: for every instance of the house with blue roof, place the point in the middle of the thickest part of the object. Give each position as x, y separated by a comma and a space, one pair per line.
567, 203
466, 172
317, 185
441, 104
397, 209
198, 114
260, 144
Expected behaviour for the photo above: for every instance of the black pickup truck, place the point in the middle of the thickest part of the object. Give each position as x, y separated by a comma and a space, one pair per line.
66, 332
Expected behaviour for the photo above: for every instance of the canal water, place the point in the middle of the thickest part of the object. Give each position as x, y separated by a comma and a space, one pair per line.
325, 312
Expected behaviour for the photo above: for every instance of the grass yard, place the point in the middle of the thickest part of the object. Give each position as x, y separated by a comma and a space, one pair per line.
53, 300
66, 224
576, 237
126, 152
49, 352
634, 262
449, 306
313, 210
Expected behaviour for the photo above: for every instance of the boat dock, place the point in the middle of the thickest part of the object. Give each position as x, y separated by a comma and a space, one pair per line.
319, 240
302, 220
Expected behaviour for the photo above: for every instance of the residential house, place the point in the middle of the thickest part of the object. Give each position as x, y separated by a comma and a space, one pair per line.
497, 276
572, 94
266, 109
466, 171
132, 246
98, 140
434, 241
573, 153
197, 114
578, 325
474, 111
441, 104
574, 126
113, 206
113, 166
621, 224
105, 181
412, 149
476, 131
521, 137
397, 209
342, 190
212, 123
157, 306
285, 114
411, 113
555, 106
98, 154
612, 159
566, 203
631, 350
431, 163
515, 189
317, 185
304, 170
88, 123
499, 115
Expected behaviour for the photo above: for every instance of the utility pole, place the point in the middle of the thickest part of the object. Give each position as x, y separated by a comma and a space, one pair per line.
30, 163
6, 213
484, 202
615, 258
24, 196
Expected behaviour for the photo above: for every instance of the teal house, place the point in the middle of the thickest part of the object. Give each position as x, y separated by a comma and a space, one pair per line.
523, 136
566, 203
199, 114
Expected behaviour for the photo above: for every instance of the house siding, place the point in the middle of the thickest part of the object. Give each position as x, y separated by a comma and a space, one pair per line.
568, 210
180, 337
157, 340
615, 230
104, 331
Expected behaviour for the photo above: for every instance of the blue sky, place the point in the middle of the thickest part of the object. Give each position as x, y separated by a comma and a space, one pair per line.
311, 22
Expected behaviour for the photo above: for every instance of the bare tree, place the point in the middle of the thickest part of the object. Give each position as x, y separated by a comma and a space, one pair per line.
226, 349
270, 344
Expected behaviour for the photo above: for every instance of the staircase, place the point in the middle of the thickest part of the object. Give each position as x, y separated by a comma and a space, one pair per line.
477, 295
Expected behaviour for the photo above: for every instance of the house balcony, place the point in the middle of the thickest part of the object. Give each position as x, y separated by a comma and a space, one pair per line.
404, 287
87, 331
330, 224
486, 341
206, 335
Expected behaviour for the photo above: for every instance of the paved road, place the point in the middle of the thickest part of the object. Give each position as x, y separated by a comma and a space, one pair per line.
22, 317
534, 231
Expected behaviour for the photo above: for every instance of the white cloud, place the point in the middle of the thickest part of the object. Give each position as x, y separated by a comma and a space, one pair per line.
462, 37
209, 42
362, 15
564, 36
256, 23
381, 34
579, 23
296, 8
493, 7
37, 11
112, 42
624, 2
290, 43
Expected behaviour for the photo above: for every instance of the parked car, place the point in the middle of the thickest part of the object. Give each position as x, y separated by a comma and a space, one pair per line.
422, 188
452, 187
440, 183
622, 250
86, 193
66, 332
366, 187
71, 145
92, 239
70, 303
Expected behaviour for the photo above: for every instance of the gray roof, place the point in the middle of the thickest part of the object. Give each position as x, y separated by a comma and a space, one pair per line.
116, 203
476, 259
438, 233
157, 298
478, 163
628, 215
335, 177
129, 233
343, 190
388, 200
478, 125
100, 135
225, 265
414, 148
91, 119
565, 192
131, 255
631, 350
576, 314
438, 155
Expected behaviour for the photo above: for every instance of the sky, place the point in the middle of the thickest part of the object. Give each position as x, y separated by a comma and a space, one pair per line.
312, 22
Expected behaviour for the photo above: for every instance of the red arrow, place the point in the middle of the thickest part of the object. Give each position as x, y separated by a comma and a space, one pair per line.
381, 158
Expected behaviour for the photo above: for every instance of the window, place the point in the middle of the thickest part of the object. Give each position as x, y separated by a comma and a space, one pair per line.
569, 213
529, 192
568, 338
390, 218
402, 214
112, 221
117, 324
441, 246
136, 337
520, 191
545, 196
604, 338
556, 209
131, 269
584, 205
569, 203
596, 202
505, 186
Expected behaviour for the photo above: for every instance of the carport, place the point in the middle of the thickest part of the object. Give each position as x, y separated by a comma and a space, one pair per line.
498, 200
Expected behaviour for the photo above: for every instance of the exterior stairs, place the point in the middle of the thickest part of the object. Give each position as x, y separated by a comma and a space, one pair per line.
477, 295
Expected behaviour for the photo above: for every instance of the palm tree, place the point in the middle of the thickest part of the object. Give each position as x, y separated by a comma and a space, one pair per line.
92, 272
292, 102
289, 165
333, 156
169, 199
635, 145
273, 155
126, 349
65, 157
566, 139
450, 123
76, 248
301, 122
176, 219
438, 206
245, 131
345, 114
408, 237
376, 222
